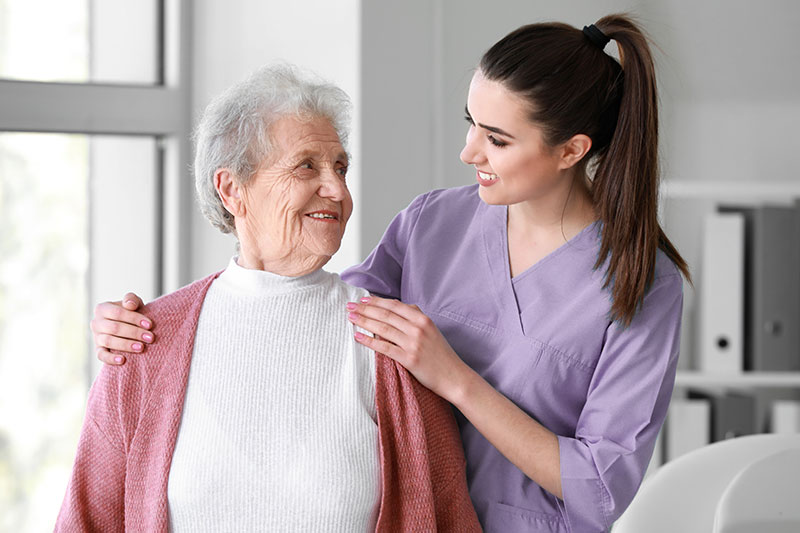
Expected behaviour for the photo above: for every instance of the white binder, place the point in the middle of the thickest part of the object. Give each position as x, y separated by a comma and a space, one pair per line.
785, 416
688, 426
721, 336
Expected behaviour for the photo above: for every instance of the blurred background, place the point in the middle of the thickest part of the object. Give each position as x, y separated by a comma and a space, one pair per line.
98, 99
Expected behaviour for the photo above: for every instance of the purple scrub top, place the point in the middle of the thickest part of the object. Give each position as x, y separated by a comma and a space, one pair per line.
545, 341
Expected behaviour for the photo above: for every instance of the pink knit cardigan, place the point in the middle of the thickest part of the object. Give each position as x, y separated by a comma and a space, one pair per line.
119, 479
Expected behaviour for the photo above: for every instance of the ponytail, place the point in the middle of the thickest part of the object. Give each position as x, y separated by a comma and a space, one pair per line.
626, 181
574, 87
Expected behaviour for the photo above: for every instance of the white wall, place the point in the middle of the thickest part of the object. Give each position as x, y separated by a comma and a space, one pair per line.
730, 85
399, 95
233, 38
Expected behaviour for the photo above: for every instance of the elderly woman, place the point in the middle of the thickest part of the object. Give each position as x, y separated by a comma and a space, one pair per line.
257, 409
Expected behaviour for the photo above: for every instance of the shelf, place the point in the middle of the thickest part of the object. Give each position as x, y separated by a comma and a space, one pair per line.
751, 379
751, 190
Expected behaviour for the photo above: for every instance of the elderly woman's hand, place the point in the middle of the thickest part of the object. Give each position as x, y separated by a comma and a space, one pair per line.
117, 326
409, 337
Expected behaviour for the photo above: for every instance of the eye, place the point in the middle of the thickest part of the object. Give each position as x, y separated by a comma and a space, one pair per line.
495, 142
342, 171
305, 170
469, 119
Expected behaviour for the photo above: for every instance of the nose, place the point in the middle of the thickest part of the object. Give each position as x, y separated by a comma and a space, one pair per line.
472, 154
332, 185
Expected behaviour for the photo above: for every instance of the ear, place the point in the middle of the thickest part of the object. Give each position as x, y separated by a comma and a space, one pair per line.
574, 150
229, 191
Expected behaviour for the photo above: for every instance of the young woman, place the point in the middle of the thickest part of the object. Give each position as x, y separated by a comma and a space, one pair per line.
544, 302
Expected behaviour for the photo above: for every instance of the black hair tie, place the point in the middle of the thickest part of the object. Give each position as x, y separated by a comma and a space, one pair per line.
597, 37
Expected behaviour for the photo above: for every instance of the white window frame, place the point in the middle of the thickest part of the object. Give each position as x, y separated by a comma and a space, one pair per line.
162, 110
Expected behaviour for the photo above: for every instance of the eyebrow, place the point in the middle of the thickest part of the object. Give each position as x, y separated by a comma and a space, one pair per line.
341, 157
490, 128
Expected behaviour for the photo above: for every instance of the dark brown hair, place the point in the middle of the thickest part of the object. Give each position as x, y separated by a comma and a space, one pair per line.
574, 87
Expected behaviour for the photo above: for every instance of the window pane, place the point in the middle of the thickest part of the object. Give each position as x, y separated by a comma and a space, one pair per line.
103, 41
44, 257
59, 246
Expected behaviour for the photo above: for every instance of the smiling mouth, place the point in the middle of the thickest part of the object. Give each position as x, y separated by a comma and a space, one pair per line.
323, 215
486, 176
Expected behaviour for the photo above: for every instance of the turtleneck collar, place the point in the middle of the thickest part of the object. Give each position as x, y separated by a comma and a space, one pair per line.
261, 282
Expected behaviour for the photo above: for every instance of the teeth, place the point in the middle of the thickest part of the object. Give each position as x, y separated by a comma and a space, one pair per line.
487, 177
321, 215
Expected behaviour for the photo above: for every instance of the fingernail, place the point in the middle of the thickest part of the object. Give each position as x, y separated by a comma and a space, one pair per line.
136, 346
118, 359
365, 300
352, 316
360, 336
145, 324
147, 337
351, 306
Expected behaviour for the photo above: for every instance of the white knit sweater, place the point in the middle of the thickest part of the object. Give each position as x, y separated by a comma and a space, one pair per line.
279, 428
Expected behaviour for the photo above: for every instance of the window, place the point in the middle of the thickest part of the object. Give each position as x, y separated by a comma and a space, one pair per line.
94, 122
43, 296
80, 41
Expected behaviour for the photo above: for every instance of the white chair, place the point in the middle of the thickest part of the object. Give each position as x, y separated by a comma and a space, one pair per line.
682, 496
763, 497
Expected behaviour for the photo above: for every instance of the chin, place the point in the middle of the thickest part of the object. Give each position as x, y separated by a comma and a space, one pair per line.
329, 251
491, 197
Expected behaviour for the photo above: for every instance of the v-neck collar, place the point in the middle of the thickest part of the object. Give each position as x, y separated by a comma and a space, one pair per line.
494, 237
495, 233
565, 247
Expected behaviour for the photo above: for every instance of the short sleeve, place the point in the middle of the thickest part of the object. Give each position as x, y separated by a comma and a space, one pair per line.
603, 465
381, 272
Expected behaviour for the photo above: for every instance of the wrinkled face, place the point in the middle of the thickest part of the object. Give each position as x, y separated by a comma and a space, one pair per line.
512, 161
297, 204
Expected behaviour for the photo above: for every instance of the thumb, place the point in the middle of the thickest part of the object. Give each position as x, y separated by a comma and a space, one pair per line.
131, 302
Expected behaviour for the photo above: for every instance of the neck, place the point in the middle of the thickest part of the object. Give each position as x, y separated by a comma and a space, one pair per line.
283, 266
560, 210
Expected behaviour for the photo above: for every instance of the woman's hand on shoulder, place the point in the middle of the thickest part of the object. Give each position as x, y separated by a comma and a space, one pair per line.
118, 326
410, 337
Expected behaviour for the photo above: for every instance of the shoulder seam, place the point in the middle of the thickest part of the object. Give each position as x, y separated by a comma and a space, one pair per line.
424, 200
